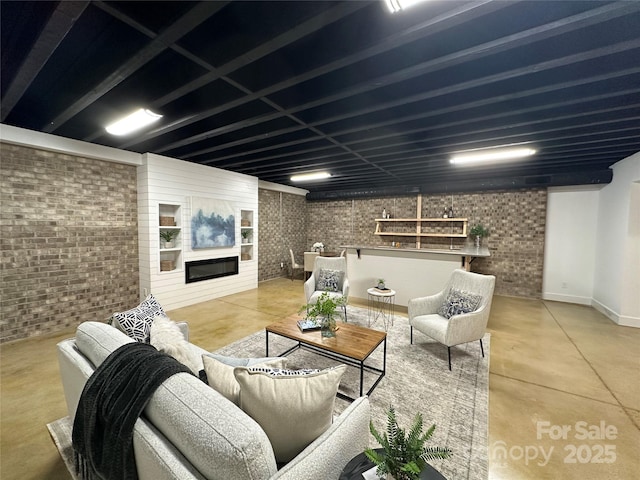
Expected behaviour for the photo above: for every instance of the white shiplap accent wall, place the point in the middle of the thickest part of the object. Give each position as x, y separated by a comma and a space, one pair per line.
167, 180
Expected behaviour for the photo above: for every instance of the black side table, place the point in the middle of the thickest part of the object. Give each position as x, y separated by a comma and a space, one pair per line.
360, 464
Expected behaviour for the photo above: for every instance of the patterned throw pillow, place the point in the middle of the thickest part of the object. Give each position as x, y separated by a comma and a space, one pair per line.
137, 321
459, 301
329, 280
293, 409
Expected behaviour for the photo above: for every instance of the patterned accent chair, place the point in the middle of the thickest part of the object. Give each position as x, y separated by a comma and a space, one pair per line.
329, 275
456, 315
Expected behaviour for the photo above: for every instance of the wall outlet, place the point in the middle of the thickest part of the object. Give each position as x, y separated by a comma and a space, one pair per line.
564, 285
146, 292
281, 264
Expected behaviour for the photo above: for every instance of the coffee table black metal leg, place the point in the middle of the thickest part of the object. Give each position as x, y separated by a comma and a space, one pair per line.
361, 376
266, 336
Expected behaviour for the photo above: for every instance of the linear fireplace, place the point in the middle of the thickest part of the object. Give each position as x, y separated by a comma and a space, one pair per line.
200, 270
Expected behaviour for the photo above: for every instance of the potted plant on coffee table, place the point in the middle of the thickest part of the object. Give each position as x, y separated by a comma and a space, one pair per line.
403, 456
324, 312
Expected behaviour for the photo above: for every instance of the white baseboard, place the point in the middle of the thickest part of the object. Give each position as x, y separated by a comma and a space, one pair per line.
558, 297
622, 320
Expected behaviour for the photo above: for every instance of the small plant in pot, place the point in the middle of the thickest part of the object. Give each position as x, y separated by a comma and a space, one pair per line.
403, 456
167, 237
245, 236
381, 284
478, 231
324, 312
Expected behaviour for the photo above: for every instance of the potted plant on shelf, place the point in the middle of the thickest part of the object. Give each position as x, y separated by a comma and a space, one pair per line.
245, 236
403, 456
324, 312
478, 231
167, 236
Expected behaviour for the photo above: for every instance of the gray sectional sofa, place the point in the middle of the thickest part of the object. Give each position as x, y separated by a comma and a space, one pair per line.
190, 431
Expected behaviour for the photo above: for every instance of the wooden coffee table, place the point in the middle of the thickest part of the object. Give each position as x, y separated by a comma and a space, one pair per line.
352, 345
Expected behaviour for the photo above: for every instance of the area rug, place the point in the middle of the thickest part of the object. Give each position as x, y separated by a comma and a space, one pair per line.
417, 380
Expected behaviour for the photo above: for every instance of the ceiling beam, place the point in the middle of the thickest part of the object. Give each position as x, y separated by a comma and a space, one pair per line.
493, 47
60, 23
459, 15
194, 17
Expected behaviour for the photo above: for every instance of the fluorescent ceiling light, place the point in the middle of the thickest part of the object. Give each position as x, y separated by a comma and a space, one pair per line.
304, 177
397, 5
131, 123
492, 155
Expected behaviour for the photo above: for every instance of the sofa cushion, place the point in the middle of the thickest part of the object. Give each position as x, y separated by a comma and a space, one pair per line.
137, 321
219, 370
97, 340
293, 409
458, 302
218, 438
330, 280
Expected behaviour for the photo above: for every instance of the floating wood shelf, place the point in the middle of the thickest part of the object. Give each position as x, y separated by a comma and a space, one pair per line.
418, 224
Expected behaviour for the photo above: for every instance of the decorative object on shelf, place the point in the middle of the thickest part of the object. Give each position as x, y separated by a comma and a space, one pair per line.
324, 312
167, 221
450, 213
404, 455
167, 236
245, 222
318, 247
384, 213
445, 214
478, 231
166, 265
245, 257
245, 236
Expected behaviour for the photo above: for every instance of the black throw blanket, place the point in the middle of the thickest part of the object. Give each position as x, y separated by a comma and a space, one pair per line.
111, 402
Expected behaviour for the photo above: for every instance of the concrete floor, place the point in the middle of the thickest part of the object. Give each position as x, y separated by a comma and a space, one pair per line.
564, 393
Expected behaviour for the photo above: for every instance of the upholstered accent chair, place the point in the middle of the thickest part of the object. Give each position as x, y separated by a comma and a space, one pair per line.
329, 275
456, 315
294, 265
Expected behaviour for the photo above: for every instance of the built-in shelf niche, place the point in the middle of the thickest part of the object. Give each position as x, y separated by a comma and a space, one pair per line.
170, 255
247, 235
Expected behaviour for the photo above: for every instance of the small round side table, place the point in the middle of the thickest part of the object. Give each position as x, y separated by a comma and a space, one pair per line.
381, 305
361, 464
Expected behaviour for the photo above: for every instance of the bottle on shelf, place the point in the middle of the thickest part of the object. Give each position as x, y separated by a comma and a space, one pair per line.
445, 214
450, 212
384, 213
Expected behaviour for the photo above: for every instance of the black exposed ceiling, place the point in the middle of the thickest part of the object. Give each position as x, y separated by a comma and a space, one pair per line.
271, 89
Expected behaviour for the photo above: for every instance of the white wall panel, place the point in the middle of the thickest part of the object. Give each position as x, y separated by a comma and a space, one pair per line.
163, 180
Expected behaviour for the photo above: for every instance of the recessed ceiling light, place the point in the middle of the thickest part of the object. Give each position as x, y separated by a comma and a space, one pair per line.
397, 5
135, 121
304, 177
494, 155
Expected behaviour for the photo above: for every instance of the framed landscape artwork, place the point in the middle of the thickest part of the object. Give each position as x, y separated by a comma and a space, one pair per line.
213, 223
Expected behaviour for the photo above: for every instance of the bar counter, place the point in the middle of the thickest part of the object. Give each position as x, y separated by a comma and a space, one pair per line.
411, 272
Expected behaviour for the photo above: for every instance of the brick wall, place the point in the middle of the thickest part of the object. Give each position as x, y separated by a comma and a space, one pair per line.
515, 218
69, 240
282, 225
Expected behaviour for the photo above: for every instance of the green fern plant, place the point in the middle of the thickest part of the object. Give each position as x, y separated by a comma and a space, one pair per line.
404, 455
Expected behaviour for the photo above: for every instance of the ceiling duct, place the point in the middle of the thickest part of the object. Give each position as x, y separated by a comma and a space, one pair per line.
479, 185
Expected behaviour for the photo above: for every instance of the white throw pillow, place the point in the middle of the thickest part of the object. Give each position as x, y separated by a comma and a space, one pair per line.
293, 409
219, 370
167, 337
